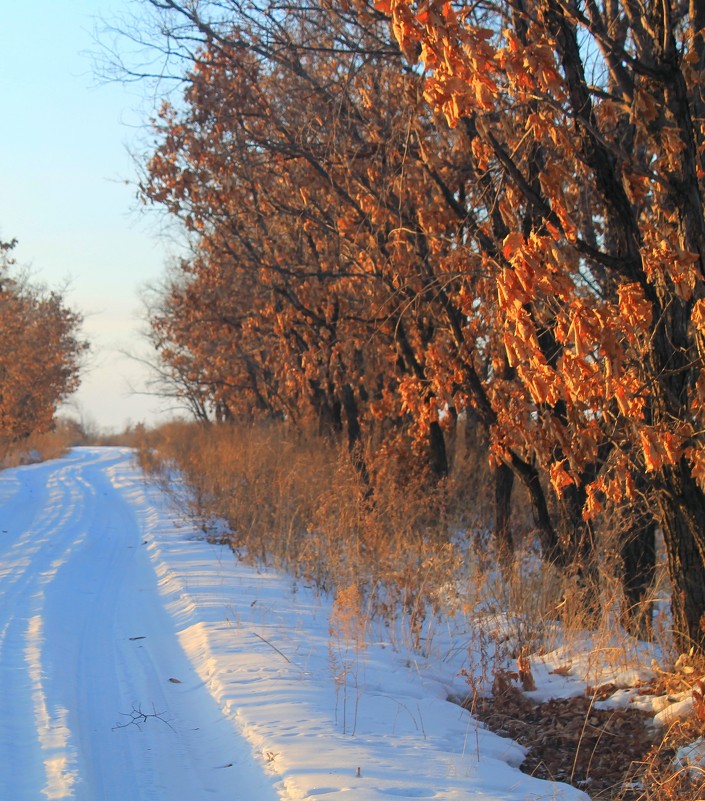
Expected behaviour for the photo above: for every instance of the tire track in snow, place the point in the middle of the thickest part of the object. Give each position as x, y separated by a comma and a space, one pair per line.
36, 519
51, 725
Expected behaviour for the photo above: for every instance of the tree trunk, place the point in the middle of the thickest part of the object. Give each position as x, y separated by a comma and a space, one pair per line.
503, 486
438, 456
681, 514
638, 552
352, 420
579, 558
327, 408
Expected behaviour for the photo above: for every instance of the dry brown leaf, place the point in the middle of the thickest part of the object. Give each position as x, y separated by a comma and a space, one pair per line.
526, 677
699, 700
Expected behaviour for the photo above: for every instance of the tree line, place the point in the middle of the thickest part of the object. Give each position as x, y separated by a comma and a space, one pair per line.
406, 214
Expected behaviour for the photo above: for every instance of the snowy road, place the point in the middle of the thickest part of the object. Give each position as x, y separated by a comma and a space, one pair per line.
141, 663
85, 640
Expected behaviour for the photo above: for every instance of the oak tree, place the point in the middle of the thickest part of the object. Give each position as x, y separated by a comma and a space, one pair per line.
588, 119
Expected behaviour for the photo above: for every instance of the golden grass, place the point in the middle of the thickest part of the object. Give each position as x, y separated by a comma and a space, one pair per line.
417, 550
297, 502
41, 447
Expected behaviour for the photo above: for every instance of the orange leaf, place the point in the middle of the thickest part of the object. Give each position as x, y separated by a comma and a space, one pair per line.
634, 307
560, 479
652, 455
698, 315
512, 243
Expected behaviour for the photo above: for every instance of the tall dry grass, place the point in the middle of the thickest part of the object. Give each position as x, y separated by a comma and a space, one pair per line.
297, 502
418, 551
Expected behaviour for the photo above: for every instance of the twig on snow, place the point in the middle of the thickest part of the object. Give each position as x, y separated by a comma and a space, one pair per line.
137, 717
274, 647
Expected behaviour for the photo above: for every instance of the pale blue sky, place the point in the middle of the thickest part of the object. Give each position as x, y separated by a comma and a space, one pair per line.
64, 161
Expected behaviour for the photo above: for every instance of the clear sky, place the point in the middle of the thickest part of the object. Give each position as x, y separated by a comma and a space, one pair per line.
67, 189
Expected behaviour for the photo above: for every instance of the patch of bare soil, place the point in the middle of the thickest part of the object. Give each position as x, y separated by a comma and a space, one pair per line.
601, 751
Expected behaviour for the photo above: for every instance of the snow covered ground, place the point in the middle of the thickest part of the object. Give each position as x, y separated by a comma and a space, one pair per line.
138, 661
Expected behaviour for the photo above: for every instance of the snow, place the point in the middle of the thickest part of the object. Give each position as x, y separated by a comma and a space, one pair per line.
692, 757
140, 661
589, 660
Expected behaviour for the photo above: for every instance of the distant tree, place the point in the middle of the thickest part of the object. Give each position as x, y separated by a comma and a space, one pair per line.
40, 353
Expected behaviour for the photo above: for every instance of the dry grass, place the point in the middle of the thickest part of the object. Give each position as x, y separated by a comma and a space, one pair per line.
40, 447
661, 775
417, 550
298, 503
